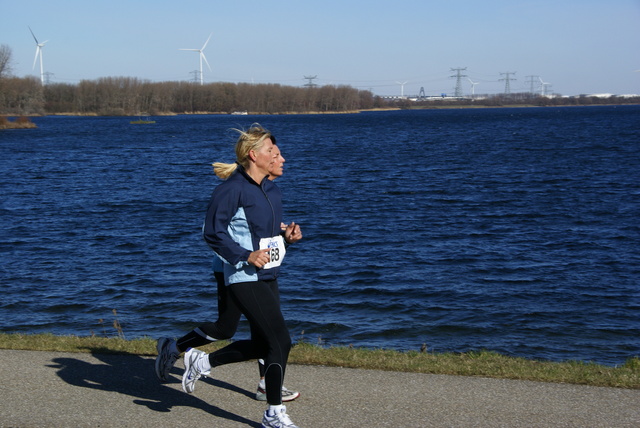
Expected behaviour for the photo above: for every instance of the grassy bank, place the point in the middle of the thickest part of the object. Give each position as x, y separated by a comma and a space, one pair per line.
483, 363
21, 122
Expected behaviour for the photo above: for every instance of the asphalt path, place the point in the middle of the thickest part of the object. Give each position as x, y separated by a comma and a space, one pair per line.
57, 389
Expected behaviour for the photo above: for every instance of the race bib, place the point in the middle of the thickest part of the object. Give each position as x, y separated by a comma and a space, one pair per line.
275, 244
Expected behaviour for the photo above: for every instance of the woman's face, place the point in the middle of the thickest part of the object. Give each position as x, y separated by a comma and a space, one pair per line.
263, 157
277, 168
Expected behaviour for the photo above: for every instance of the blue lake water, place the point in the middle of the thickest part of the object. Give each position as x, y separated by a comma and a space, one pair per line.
514, 230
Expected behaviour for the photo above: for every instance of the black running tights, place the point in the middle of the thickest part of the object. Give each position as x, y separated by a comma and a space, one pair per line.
270, 340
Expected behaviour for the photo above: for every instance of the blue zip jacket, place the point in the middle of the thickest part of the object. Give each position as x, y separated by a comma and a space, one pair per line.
240, 213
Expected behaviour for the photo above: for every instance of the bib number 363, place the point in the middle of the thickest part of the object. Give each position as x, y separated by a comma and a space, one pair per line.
275, 245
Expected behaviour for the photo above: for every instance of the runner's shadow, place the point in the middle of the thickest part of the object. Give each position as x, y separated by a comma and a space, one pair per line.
216, 383
133, 375
225, 385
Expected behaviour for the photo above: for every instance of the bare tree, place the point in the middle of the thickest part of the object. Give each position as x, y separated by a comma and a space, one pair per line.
132, 96
5, 61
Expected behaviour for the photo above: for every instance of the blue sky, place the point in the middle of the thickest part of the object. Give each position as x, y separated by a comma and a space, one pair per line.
577, 46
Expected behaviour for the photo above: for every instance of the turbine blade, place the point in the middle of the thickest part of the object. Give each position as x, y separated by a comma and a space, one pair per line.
194, 50
205, 43
205, 60
36, 57
34, 36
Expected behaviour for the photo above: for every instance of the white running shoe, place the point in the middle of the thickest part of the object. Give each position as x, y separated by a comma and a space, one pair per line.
165, 359
278, 420
287, 395
191, 371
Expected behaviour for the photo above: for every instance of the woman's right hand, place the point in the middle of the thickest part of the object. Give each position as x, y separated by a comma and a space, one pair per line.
259, 258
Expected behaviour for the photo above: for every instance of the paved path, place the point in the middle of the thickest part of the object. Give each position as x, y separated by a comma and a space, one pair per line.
45, 389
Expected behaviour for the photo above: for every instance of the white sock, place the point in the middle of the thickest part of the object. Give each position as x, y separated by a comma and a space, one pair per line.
274, 410
262, 384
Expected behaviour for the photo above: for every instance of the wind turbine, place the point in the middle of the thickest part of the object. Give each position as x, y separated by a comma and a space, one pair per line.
473, 86
39, 47
202, 57
401, 88
543, 86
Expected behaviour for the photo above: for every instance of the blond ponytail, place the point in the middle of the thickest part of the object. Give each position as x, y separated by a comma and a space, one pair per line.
224, 170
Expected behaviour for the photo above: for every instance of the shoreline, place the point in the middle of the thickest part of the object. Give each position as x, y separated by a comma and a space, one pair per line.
380, 109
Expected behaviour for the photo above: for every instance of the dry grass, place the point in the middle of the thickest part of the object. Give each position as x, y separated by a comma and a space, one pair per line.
483, 363
21, 122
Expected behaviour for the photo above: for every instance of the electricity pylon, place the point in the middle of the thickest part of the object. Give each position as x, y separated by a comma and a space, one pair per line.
459, 76
507, 80
310, 84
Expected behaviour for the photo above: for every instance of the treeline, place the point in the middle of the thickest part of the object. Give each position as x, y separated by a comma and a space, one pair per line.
132, 96
121, 96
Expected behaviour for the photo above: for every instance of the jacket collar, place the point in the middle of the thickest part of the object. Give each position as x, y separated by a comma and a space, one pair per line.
248, 177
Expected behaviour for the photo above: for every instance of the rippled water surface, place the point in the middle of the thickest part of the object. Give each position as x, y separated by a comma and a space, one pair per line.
514, 230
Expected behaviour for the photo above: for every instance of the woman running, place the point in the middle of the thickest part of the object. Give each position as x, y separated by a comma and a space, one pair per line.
242, 226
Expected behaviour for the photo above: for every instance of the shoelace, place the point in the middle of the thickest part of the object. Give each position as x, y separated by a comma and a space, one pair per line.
284, 418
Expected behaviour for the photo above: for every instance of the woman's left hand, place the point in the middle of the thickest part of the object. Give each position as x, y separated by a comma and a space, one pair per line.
292, 233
